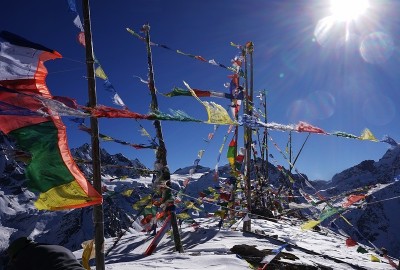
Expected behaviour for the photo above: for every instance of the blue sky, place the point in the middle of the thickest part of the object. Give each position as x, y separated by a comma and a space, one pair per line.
314, 71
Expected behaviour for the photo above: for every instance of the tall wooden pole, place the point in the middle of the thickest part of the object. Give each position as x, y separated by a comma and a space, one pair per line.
265, 140
247, 130
98, 215
161, 153
290, 152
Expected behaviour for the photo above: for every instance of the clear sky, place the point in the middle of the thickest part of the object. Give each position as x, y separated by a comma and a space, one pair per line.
335, 75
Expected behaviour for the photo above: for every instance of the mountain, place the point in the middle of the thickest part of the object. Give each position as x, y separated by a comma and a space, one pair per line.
375, 219
117, 165
19, 217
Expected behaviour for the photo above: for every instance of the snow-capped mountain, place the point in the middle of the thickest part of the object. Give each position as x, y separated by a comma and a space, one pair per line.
376, 221
117, 165
19, 217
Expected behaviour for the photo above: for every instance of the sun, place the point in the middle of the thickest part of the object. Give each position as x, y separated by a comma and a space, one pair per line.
348, 10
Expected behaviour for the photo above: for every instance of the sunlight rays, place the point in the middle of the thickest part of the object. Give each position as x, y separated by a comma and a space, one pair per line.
347, 10
348, 19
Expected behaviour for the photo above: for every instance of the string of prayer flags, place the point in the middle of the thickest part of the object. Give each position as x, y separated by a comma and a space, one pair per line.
254, 122
197, 57
176, 91
220, 151
77, 22
109, 112
99, 73
107, 138
201, 152
235, 90
211, 134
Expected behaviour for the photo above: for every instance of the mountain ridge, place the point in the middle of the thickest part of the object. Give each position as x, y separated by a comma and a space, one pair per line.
71, 228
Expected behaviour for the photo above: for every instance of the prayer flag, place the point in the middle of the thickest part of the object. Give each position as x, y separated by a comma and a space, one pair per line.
52, 173
267, 259
231, 155
367, 135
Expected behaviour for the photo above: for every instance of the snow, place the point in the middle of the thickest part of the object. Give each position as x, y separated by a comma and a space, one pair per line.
210, 248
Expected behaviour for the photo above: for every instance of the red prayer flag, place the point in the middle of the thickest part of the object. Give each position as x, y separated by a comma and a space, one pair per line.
350, 242
305, 127
353, 198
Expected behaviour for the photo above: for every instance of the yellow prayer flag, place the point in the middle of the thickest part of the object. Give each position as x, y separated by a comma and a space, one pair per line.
127, 192
231, 161
216, 113
88, 253
310, 224
367, 135
190, 205
144, 132
183, 216
107, 138
219, 213
100, 73
200, 154
374, 258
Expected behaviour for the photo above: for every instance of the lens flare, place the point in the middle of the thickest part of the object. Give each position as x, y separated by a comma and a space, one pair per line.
376, 48
379, 110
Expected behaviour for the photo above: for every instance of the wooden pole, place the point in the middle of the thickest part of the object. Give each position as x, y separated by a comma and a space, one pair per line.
290, 152
265, 140
98, 215
161, 153
247, 130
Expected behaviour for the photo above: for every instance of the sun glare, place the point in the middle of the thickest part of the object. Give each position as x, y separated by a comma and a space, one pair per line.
347, 10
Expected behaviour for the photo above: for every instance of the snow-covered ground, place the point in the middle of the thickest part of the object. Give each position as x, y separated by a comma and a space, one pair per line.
207, 247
